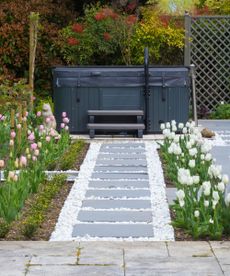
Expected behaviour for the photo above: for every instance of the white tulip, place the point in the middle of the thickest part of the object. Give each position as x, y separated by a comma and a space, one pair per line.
206, 203
196, 213
227, 199
192, 163
181, 202
188, 145
214, 203
225, 178
221, 187
187, 124
177, 139
180, 125
184, 130
180, 194
174, 128
162, 126
206, 147
196, 179
168, 125
211, 221
214, 171
208, 157
202, 156
215, 196
193, 152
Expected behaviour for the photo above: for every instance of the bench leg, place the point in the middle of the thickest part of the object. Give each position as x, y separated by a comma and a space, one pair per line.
140, 133
91, 133
91, 119
139, 119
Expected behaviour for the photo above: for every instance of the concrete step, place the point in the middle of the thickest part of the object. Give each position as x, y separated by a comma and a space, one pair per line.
122, 169
135, 176
118, 184
122, 163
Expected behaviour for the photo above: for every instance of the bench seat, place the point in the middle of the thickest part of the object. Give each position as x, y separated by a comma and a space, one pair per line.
116, 112
116, 126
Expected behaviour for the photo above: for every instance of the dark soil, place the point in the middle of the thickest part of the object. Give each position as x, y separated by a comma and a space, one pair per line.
47, 227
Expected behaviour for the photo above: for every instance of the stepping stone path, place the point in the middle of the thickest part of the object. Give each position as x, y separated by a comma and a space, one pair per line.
117, 203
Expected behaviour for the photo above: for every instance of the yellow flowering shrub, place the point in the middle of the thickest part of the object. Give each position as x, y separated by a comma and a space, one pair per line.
163, 35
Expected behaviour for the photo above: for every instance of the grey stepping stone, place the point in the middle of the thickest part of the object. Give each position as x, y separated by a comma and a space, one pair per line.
119, 203
120, 175
122, 145
136, 169
113, 230
121, 156
117, 162
118, 193
115, 216
122, 150
119, 184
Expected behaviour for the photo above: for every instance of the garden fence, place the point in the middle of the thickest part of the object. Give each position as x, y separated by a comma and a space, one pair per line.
207, 46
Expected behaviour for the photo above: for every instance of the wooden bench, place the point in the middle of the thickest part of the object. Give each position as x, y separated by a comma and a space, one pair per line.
139, 126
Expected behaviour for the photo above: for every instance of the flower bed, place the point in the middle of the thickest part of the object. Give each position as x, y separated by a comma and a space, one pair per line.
28, 148
202, 207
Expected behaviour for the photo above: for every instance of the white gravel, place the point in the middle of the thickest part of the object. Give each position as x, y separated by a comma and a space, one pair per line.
68, 216
163, 231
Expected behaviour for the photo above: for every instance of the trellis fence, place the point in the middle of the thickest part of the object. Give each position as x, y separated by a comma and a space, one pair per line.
207, 46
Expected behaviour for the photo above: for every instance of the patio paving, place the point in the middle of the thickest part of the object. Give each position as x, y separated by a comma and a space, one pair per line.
26, 258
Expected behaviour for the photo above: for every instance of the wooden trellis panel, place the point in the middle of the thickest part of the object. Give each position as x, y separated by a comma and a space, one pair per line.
207, 45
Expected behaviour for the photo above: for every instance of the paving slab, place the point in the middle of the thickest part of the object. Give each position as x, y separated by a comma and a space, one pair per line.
13, 266
222, 252
69, 270
122, 145
122, 169
102, 156
122, 151
171, 195
118, 203
171, 266
118, 184
222, 155
119, 176
113, 216
115, 193
113, 230
123, 162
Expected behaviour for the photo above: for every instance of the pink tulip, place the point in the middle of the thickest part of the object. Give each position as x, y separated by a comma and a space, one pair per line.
34, 158
63, 114
52, 118
19, 126
36, 152
39, 114
48, 120
34, 146
23, 161
2, 118
52, 132
12, 134
65, 120
2, 163
62, 125
15, 178
48, 138
41, 127
31, 137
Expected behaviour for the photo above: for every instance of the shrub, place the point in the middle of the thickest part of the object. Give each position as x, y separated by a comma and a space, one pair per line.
163, 35
14, 34
4, 228
102, 36
222, 112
